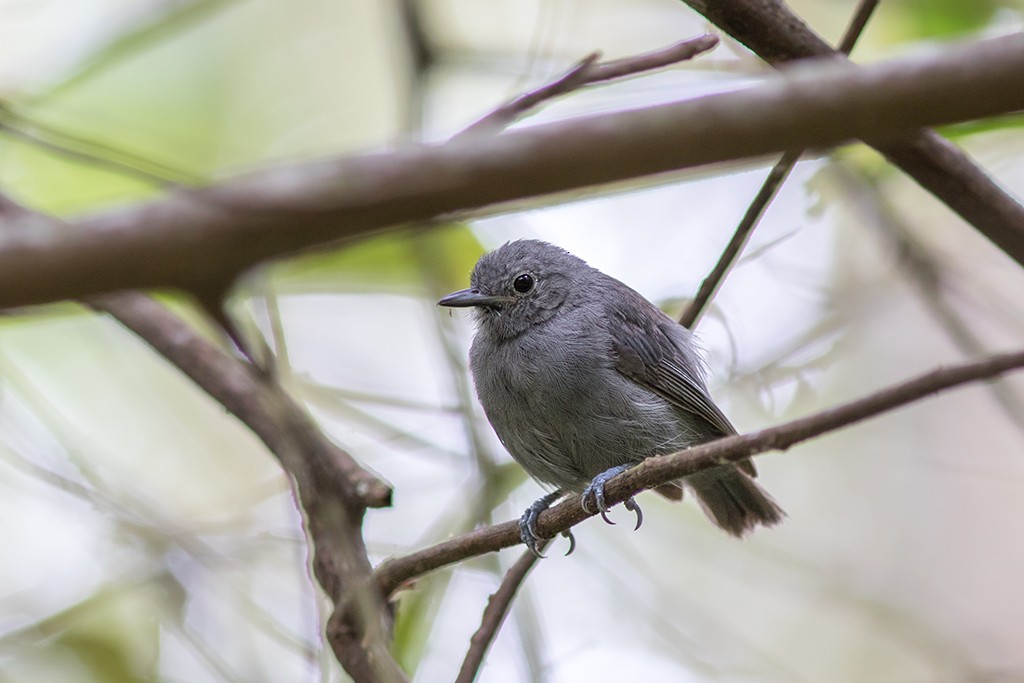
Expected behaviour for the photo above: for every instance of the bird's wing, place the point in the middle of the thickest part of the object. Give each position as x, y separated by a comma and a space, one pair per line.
649, 350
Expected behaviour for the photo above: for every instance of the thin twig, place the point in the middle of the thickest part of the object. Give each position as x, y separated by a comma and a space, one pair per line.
160, 22
709, 286
587, 72
776, 177
494, 615
393, 573
860, 20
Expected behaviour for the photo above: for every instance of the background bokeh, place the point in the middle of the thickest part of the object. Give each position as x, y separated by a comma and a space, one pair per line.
145, 535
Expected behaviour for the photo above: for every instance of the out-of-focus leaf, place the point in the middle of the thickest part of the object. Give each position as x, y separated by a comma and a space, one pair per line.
945, 18
385, 261
996, 123
114, 633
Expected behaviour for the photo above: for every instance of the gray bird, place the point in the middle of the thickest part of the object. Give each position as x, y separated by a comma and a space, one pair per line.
582, 377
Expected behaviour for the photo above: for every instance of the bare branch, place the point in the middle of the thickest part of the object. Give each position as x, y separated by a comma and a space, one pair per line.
587, 72
709, 285
777, 35
193, 239
494, 615
333, 489
776, 177
393, 573
857, 25
243, 393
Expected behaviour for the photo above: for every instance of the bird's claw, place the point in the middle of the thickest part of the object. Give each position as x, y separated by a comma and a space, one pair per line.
634, 506
595, 490
528, 524
528, 534
572, 542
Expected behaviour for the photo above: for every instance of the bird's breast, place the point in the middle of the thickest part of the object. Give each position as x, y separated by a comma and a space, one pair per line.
564, 412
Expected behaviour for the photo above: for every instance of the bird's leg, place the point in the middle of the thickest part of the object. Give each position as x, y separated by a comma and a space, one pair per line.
596, 489
528, 522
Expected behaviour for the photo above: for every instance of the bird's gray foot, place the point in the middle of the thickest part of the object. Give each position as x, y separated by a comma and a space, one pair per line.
595, 489
528, 523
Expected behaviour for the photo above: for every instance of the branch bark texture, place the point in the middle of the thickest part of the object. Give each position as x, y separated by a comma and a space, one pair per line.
198, 239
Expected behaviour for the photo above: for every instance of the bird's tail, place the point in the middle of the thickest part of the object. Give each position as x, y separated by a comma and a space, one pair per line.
733, 500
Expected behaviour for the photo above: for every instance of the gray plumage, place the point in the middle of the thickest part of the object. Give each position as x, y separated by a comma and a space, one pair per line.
579, 374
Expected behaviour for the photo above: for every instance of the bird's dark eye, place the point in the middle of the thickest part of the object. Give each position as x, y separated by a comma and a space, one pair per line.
523, 283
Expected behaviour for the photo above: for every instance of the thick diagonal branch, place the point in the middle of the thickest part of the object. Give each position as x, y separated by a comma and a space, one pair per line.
777, 35
194, 239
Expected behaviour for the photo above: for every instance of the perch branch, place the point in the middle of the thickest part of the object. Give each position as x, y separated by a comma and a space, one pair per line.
394, 573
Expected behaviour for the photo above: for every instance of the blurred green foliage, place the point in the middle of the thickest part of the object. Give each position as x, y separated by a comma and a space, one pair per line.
944, 18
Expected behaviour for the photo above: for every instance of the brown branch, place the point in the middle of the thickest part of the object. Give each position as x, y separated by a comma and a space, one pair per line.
857, 25
776, 177
777, 35
498, 606
274, 417
709, 285
334, 491
193, 239
394, 573
587, 72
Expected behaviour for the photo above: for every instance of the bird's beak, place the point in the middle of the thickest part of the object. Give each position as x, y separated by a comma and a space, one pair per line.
465, 298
